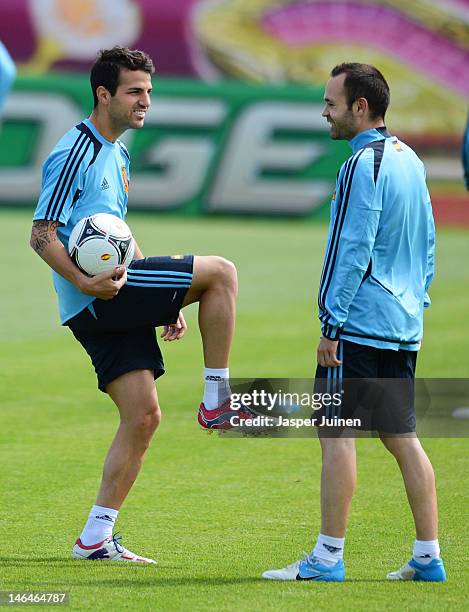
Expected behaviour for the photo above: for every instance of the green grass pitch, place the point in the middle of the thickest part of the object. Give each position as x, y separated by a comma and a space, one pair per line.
215, 512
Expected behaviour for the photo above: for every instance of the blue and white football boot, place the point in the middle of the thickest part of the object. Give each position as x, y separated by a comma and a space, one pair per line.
431, 572
310, 568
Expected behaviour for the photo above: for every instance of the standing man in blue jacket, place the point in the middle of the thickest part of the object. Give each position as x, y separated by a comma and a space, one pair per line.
378, 266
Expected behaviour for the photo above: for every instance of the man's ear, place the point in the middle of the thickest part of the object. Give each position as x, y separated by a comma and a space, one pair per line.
361, 105
103, 95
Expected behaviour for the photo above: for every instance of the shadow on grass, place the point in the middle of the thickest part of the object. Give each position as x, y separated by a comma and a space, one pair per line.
150, 577
77, 564
6, 561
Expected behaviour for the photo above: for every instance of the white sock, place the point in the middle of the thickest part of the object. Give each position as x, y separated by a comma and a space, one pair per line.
425, 551
217, 387
329, 550
99, 525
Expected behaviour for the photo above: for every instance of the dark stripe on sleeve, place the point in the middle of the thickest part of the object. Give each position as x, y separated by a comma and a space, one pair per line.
68, 182
332, 255
76, 145
97, 145
330, 332
336, 220
70, 169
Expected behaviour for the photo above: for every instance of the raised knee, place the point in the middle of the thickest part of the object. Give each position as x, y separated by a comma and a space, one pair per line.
226, 272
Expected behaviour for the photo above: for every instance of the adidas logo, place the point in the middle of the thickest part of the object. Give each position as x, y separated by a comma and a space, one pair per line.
104, 184
332, 549
105, 517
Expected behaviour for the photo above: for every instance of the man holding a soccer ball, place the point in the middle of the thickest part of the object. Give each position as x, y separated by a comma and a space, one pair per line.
113, 314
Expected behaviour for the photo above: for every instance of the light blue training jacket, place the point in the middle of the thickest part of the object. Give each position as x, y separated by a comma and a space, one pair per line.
379, 259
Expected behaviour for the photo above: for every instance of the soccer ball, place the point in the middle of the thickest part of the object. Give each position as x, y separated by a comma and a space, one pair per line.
100, 243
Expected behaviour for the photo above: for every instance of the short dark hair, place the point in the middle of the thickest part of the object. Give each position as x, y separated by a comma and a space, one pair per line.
110, 62
365, 81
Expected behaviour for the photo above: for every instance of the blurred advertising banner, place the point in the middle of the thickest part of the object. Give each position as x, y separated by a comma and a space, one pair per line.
44, 35
421, 46
228, 147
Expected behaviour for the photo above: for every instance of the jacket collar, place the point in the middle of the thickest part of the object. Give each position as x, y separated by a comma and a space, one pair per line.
363, 138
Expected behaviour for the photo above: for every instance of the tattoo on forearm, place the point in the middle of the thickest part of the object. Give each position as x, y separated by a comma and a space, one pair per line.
43, 233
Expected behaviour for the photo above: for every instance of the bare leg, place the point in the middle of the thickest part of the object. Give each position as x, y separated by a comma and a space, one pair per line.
215, 287
135, 396
419, 480
338, 478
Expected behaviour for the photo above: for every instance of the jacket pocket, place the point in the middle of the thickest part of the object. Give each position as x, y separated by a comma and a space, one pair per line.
382, 286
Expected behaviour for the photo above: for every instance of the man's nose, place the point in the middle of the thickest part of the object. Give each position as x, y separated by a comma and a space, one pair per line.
145, 100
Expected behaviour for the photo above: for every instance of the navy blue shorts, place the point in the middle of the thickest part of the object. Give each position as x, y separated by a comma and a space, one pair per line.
119, 334
375, 386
